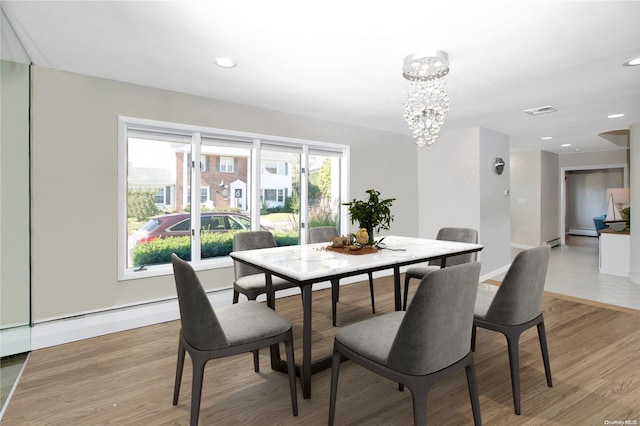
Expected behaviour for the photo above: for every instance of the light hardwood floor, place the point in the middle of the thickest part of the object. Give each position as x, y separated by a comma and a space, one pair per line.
127, 378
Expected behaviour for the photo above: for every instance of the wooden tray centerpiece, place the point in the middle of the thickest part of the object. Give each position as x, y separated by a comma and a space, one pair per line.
352, 249
346, 245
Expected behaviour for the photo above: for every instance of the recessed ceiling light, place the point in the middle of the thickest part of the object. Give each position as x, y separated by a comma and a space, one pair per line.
540, 110
225, 62
546, 138
615, 115
632, 62
566, 144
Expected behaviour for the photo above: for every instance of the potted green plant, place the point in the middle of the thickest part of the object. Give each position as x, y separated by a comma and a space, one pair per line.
373, 214
626, 214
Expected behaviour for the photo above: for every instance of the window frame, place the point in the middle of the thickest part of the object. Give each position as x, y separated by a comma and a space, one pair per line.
204, 192
228, 163
280, 167
255, 143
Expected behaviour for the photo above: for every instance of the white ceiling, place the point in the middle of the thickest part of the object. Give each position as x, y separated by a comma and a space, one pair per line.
341, 60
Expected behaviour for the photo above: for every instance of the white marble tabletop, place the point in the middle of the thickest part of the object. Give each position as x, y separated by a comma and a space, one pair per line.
309, 263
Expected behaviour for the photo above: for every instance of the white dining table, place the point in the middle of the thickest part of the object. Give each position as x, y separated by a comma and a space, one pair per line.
307, 264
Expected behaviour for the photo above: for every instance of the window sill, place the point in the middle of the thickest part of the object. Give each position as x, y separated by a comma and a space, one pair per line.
167, 269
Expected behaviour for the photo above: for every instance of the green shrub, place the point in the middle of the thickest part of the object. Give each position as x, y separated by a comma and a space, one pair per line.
276, 209
321, 215
140, 205
159, 251
214, 244
286, 238
292, 203
325, 221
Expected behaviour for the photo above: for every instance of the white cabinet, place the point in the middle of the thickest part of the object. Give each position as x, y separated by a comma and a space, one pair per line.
614, 252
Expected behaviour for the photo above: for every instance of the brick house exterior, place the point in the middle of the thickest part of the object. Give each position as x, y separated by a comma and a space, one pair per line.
218, 172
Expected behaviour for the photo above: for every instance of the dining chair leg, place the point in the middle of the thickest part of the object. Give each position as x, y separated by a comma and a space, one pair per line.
236, 296
473, 393
196, 389
542, 336
419, 397
397, 289
335, 371
514, 363
271, 297
179, 368
373, 302
291, 369
473, 338
406, 292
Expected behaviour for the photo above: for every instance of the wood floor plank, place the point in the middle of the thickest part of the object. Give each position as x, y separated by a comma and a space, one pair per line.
127, 378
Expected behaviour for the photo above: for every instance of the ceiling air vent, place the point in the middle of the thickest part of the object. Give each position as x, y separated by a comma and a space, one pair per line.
540, 110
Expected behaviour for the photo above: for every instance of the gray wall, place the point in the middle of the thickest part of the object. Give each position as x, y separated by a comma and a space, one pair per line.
74, 189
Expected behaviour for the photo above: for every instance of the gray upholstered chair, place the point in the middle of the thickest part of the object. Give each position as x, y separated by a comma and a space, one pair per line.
231, 330
419, 347
321, 234
251, 281
515, 306
462, 235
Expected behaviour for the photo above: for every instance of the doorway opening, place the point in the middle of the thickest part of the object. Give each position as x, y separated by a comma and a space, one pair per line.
583, 196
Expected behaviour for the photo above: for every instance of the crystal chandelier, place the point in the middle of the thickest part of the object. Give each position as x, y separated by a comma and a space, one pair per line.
427, 102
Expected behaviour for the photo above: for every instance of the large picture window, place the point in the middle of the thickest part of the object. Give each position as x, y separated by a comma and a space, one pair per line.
243, 182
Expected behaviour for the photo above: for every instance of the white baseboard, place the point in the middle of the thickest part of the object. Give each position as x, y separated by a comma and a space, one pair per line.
66, 330
617, 272
495, 273
521, 246
57, 332
15, 340
583, 232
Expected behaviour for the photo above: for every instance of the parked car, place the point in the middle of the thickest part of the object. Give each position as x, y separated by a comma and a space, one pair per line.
179, 224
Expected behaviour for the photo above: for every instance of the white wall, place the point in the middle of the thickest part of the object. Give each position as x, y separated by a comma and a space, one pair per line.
594, 159
458, 187
526, 169
74, 181
634, 188
448, 182
535, 198
495, 215
549, 197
